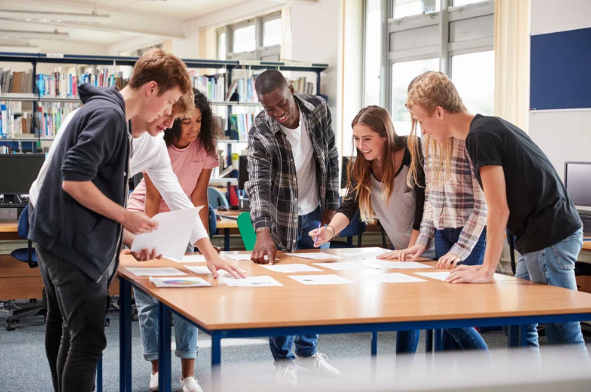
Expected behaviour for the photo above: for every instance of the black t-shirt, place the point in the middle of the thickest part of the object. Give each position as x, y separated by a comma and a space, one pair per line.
541, 213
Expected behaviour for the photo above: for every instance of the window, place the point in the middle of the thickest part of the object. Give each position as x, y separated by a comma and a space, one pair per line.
404, 8
459, 3
244, 39
373, 50
222, 46
402, 75
474, 77
272, 32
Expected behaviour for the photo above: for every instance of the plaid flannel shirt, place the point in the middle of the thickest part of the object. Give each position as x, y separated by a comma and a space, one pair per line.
272, 184
457, 202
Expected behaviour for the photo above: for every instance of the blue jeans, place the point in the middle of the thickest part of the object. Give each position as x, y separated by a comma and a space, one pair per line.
305, 345
465, 338
554, 266
185, 334
407, 341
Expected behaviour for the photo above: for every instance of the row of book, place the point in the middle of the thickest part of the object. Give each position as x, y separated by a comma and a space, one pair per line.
13, 120
16, 82
213, 86
50, 115
63, 85
241, 123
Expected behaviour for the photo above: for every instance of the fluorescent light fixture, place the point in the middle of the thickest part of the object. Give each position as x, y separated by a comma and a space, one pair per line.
22, 34
55, 17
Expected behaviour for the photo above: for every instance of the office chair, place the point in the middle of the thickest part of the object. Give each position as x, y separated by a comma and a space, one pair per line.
356, 228
26, 255
216, 198
213, 224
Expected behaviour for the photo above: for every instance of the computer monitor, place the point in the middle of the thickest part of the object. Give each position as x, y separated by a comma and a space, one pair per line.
242, 171
18, 171
577, 179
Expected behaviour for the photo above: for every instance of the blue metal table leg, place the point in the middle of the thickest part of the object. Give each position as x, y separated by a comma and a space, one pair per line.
216, 359
226, 239
428, 340
523, 335
164, 360
437, 333
124, 336
99, 376
374, 343
513, 340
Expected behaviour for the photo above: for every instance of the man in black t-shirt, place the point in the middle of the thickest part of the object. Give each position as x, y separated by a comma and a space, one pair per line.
522, 190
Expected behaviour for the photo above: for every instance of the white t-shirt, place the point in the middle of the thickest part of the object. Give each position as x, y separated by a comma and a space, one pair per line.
149, 155
303, 156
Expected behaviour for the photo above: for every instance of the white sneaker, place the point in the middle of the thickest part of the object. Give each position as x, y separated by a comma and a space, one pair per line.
190, 384
317, 364
286, 376
154, 382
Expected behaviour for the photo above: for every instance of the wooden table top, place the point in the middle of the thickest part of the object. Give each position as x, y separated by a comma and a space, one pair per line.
227, 223
222, 307
587, 244
8, 226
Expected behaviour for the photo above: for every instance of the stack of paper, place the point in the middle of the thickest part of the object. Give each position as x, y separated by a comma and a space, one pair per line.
156, 272
252, 281
180, 282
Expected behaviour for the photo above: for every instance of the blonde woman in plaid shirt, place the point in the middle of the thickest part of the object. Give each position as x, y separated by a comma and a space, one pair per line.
454, 214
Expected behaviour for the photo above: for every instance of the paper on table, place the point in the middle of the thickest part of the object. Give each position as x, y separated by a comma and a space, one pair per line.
393, 278
320, 279
203, 270
155, 271
238, 256
179, 282
434, 275
314, 256
171, 237
348, 266
397, 264
290, 268
252, 281
362, 253
190, 259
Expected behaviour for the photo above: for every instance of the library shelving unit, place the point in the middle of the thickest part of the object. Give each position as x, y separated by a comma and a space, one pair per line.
225, 67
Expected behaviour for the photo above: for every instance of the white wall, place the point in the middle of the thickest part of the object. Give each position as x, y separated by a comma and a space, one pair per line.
562, 134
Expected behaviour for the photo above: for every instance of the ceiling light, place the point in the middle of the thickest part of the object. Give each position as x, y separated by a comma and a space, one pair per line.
55, 17
23, 34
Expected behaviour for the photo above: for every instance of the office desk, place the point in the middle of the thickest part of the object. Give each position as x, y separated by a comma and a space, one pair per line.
587, 244
226, 224
232, 312
9, 230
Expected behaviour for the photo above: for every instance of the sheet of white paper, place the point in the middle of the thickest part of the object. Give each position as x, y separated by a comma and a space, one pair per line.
434, 275
396, 264
314, 256
320, 279
172, 236
190, 281
365, 253
190, 259
156, 272
348, 266
291, 268
393, 278
238, 256
203, 270
252, 281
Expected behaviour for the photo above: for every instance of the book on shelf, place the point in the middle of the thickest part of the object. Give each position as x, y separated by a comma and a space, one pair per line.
213, 86
14, 121
16, 82
302, 86
241, 123
50, 115
62, 85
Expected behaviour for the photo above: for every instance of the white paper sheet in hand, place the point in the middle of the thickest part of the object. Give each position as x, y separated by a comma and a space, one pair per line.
434, 275
203, 270
314, 256
172, 236
320, 279
397, 264
393, 278
253, 281
189, 281
190, 259
155, 271
348, 266
291, 268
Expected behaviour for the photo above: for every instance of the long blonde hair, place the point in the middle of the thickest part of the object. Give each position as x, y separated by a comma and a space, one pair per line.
359, 171
430, 90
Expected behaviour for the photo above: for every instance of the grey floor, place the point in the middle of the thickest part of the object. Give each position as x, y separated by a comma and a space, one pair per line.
23, 366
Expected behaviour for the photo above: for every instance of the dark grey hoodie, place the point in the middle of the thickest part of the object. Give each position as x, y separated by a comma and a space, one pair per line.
95, 146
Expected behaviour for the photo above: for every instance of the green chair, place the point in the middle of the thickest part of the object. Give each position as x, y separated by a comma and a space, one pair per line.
249, 236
